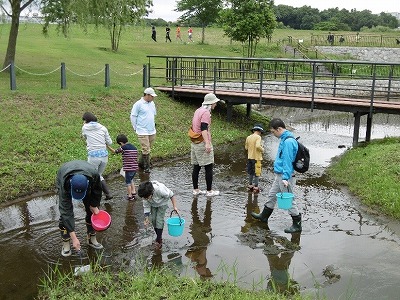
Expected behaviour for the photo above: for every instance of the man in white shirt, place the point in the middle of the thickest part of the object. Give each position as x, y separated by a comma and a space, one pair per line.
143, 122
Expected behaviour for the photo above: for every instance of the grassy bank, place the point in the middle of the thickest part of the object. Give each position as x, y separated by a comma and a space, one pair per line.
151, 284
372, 173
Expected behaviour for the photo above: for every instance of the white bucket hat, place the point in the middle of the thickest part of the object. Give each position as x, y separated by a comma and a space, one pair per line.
210, 99
150, 91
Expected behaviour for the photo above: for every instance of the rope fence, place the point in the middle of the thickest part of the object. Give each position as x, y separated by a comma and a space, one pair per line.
11, 69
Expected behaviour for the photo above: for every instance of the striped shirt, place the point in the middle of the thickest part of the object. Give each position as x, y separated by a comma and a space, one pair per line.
129, 157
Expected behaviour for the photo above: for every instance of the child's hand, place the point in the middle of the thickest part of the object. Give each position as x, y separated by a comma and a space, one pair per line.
146, 221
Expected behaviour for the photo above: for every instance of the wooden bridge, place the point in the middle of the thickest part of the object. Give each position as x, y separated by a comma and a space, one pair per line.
283, 82
358, 107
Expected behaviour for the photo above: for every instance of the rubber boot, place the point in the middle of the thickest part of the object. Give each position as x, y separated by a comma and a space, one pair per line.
264, 215
140, 162
66, 248
92, 242
106, 191
146, 163
296, 226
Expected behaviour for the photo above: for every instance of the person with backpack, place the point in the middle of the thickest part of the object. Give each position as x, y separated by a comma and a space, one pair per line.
284, 175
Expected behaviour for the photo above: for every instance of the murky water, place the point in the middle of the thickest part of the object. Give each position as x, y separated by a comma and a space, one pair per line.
343, 252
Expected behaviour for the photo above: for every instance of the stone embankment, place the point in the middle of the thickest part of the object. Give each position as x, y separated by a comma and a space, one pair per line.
375, 54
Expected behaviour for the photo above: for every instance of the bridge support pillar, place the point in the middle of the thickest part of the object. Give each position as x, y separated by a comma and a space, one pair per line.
248, 110
369, 128
356, 130
229, 108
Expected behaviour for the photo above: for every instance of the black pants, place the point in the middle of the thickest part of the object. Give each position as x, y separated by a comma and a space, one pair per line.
209, 176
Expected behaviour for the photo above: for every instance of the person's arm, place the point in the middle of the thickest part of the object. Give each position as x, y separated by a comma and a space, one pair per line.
204, 133
259, 146
146, 210
96, 193
75, 241
288, 155
134, 115
173, 200
110, 148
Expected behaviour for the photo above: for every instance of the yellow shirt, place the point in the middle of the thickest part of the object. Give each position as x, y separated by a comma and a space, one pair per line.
253, 146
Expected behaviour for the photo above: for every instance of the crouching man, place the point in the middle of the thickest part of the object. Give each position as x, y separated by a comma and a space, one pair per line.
79, 181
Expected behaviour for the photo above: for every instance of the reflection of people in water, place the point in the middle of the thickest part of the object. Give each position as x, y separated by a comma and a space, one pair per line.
252, 205
279, 261
200, 230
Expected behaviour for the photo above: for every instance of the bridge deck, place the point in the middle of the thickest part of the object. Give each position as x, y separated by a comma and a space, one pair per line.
234, 97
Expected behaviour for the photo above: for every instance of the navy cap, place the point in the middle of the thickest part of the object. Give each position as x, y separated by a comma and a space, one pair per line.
79, 185
258, 127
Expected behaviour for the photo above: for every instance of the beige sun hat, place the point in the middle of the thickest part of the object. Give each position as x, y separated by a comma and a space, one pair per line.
210, 99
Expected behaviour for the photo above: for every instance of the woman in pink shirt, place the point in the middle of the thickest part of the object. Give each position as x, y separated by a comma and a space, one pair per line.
202, 153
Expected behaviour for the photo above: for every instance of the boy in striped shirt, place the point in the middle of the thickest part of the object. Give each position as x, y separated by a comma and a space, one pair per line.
129, 163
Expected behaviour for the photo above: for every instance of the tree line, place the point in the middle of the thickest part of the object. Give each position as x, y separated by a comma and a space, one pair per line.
331, 19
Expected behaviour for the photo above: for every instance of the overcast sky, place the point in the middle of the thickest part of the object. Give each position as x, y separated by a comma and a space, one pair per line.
165, 8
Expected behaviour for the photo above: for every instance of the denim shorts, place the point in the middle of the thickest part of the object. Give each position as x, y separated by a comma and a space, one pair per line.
129, 175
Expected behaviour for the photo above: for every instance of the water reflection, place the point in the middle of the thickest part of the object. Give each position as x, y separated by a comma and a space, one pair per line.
201, 234
279, 261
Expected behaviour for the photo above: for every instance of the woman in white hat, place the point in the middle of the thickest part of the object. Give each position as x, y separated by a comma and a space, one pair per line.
202, 152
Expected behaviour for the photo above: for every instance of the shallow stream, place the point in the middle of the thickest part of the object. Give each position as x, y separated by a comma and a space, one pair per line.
342, 253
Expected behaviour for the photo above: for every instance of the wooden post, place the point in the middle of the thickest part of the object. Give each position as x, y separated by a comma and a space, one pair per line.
144, 75
13, 80
107, 76
63, 77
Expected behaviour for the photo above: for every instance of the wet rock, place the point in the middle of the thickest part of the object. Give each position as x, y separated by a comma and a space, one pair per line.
330, 275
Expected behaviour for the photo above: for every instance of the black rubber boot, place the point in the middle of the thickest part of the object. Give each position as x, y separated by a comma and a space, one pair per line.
296, 226
264, 215
146, 163
106, 191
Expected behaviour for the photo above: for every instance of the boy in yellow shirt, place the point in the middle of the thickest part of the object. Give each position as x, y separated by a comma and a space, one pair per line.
255, 152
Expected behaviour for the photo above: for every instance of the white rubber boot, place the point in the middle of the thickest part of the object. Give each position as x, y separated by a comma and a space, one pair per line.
66, 249
92, 241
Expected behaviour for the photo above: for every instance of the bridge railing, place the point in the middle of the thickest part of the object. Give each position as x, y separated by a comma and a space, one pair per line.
354, 79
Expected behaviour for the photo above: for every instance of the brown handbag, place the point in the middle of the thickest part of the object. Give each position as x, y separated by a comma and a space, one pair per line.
195, 137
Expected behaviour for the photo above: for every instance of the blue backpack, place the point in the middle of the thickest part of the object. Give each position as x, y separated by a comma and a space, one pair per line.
302, 160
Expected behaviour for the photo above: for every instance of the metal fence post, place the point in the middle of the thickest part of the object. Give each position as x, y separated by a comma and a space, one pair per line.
63, 77
107, 76
215, 78
13, 80
148, 75
313, 86
261, 85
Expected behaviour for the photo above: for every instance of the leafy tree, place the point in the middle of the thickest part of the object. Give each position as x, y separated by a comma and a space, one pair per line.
388, 20
60, 12
205, 11
112, 14
248, 21
17, 6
